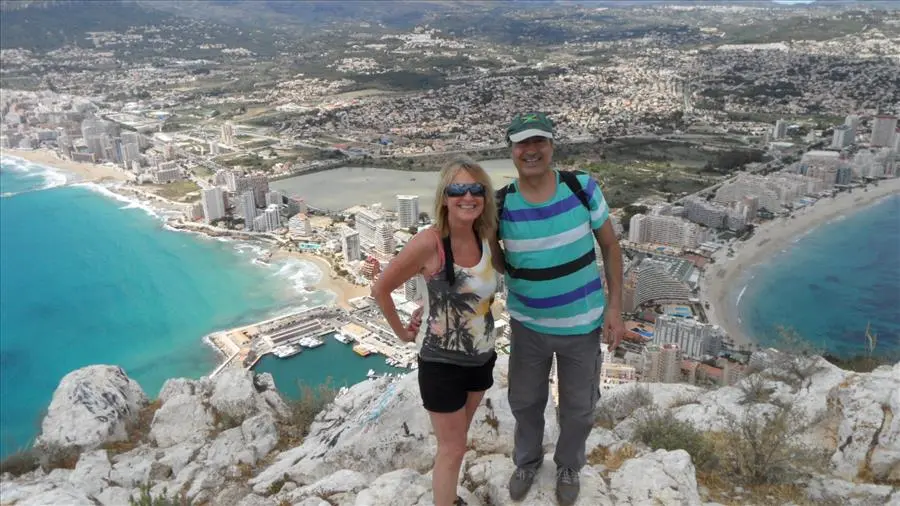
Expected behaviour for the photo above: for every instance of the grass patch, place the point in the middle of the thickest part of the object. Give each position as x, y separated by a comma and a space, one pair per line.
661, 430
178, 190
145, 498
303, 411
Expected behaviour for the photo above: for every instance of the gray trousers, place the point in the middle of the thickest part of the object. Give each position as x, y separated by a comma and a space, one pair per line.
578, 371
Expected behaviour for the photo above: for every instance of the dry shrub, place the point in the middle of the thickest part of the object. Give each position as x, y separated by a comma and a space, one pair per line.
661, 430
796, 361
755, 390
138, 430
759, 447
609, 414
53, 456
19, 463
303, 411
611, 460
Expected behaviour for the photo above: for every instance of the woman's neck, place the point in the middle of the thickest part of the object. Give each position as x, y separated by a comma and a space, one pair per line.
461, 230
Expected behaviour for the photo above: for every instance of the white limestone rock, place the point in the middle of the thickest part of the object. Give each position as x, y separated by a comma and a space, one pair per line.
489, 477
183, 418
833, 491
91, 406
868, 433
343, 481
180, 386
21, 489
256, 500
115, 496
234, 394
178, 456
68, 495
260, 434
132, 469
91, 472
232, 494
378, 426
403, 486
659, 478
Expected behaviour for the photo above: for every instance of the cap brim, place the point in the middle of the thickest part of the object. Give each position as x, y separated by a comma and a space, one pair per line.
534, 132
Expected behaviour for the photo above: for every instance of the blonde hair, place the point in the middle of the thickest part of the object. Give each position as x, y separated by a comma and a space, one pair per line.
486, 224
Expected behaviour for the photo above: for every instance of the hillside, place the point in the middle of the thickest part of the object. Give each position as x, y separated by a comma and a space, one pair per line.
799, 432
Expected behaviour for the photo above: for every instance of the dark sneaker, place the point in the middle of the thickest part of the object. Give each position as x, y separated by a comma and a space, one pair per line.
567, 486
520, 482
459, 502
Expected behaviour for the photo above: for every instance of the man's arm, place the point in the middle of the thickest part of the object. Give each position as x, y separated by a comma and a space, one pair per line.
613, 326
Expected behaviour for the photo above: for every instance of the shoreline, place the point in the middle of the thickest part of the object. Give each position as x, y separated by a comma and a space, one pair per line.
719, 283
86, 172
329, 280
116, 185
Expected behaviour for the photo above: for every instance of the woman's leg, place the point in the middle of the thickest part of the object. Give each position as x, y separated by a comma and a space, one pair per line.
450, 430
472, 402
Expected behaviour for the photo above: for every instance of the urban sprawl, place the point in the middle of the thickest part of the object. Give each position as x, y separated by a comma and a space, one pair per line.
816, 118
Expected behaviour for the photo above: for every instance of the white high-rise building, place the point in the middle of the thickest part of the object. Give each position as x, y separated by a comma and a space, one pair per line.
248, 209
883, 129
705, 213
843, 136
852, 121
366, 221
414, 288
662, 363
274, 197
213, 202
695, 339
213, 148
299, 226
350, 245
780, 129
258, 183
384, 239
273, 217
228, 134
231, 179
668, 230
407, 210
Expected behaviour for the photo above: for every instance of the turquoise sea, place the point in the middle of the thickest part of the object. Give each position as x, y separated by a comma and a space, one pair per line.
88, 278
831, 283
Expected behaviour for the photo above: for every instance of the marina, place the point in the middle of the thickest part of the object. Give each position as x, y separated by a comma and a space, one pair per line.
289, 335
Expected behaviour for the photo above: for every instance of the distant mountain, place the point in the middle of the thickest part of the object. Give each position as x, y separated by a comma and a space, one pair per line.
43, 25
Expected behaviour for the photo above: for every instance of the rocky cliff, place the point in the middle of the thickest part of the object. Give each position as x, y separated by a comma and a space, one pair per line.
824, 435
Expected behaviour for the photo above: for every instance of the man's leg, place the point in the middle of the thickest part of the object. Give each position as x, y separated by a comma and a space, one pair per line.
578, 372
529, 386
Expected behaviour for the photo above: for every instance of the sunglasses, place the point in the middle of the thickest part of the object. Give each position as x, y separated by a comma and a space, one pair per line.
460, 189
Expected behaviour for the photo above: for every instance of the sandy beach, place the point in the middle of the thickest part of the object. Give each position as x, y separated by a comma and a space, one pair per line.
718, 284
85, 171
329, 281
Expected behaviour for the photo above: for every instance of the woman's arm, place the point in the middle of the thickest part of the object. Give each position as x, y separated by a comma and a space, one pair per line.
411, 260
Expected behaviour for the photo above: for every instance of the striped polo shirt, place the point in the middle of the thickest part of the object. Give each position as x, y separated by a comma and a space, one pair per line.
554, 282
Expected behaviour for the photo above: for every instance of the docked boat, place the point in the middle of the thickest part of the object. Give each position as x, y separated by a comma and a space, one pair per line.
341, 338
362, 350
311, 342
287, 350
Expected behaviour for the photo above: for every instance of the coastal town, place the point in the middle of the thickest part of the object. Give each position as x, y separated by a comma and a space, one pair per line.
739, 168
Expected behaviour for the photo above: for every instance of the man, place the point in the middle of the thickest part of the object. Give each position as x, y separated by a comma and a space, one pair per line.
548, 223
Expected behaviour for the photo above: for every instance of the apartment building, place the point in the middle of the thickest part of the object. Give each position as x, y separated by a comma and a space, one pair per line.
407, 210
213, 202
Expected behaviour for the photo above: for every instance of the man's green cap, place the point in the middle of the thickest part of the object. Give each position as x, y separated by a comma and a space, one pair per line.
531, 124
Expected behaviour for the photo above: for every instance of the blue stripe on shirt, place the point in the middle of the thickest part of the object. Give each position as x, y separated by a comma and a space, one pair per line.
563, 298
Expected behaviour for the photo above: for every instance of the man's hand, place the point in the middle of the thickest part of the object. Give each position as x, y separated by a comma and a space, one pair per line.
412, 328
613, 328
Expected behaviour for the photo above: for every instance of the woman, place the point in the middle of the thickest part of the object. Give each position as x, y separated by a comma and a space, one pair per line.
456, 339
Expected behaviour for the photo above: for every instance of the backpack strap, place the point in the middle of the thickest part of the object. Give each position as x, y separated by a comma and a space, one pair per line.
571, 180
449, 271
500, 197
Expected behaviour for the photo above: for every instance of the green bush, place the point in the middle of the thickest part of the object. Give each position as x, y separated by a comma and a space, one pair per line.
661, 430
146, 499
